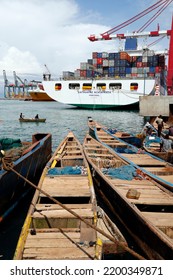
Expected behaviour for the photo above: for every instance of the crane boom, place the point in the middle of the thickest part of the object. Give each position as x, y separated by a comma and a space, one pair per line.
156, 33
161, 4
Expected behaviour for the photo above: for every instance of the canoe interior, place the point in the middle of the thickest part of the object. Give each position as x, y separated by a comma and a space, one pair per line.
51, 231
139, 200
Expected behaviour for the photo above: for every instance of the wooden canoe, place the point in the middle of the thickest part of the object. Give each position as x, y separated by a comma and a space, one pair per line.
142, 206
151, 145
29, 160
31, 120
57, 226
125, 136
155, 167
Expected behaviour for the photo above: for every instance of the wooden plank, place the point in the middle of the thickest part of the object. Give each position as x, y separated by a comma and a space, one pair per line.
144, 160
160, 219
47, 207
72, 253
66, 186
63, 214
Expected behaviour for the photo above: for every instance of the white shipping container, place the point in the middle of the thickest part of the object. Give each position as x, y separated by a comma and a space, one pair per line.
105, 55
111, 63
134, 70
105, 62
145, 59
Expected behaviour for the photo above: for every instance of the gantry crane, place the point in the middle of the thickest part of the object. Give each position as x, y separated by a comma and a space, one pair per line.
47, 74
161, 6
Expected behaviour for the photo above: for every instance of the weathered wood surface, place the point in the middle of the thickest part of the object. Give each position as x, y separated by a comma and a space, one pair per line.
66, 186
54, 232
152, 207
57, 246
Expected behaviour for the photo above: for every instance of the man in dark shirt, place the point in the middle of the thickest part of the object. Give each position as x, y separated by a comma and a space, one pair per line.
171, 131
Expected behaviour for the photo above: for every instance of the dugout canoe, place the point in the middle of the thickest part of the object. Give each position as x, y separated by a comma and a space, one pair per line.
32, 120
28, 159
125, 136
142, 206
62, 221
155, 167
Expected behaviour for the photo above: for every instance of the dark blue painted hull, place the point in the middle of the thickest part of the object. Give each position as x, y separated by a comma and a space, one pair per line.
30, 165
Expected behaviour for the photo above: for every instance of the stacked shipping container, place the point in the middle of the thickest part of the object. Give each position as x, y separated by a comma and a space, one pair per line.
121, 64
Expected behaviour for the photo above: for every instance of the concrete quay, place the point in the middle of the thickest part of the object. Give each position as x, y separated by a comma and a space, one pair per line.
152, 106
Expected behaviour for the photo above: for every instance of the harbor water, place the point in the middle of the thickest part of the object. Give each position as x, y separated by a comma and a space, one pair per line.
59, 120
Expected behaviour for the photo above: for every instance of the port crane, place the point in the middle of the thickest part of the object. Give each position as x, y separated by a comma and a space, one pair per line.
47, 74
161, 6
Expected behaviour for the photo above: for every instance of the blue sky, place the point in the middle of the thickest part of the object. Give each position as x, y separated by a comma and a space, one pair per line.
54, 32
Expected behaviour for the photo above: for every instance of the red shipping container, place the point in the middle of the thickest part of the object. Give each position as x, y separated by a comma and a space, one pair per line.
99, 60
138, 64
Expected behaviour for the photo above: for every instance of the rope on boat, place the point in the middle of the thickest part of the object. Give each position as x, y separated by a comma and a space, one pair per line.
9, 166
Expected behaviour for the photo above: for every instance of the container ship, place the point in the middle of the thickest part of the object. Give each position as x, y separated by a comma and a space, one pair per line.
116, 79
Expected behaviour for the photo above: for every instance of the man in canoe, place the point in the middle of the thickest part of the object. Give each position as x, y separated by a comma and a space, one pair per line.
166, 144
37, 117
21, 116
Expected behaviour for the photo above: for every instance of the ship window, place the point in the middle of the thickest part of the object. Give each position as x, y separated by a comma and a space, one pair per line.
58, 86
115, 86
87, 86
133, 86
74, 86
101, 86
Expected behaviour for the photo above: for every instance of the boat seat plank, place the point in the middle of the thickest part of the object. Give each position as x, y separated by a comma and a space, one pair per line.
160, 170
74, 152
160, 218
100, 155
168, 178
62, 213
66, 186
57, 245
144, 160
151, 201
72, 253
132, 182
115, 144
72, 157
149, 194
47, 207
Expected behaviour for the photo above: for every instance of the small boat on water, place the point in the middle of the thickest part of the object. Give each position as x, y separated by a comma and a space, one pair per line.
157, 168
56, 226
31, 120
142, 206
28, 159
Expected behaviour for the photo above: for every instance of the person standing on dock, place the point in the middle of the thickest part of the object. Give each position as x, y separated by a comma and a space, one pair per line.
160, 125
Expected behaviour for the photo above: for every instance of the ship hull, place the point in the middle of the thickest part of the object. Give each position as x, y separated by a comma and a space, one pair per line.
64, 92
39, 95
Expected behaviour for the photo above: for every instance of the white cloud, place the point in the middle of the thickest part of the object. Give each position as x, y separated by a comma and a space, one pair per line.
54, 32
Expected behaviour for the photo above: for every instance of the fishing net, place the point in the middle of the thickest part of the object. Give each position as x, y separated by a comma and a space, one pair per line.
9, 143
67, 170
125, 150
125, 172
152, 139
112, 130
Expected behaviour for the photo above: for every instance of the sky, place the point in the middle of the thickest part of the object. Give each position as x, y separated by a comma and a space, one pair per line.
55, 33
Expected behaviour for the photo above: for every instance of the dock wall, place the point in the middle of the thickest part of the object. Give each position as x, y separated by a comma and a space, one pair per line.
155, 105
